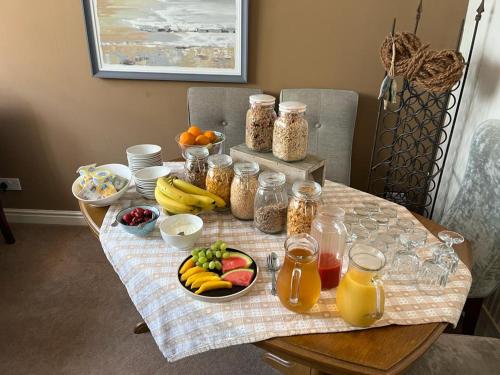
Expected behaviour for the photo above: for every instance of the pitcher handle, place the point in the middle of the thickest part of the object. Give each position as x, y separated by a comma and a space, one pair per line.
379, 294
295, 284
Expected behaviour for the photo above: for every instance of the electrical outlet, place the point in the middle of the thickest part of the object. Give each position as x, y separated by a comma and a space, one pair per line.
12, 183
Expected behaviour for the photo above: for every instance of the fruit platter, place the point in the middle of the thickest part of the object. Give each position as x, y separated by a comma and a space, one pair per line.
217, 273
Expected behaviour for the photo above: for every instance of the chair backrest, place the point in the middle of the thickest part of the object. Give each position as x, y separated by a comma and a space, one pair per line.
331, 115
475, 212
221, 109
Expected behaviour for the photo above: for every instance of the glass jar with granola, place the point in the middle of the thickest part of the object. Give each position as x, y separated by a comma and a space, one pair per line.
260, 123
271, 202
290, 135
219, 176
196, 165
243, 189
303, 206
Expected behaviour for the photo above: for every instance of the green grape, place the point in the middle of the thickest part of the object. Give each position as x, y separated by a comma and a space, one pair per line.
202, 260
218, 265
223, 246
198, 264
195, 257
218, 254
218, 243
214, 247
209, 254
194, 252
205, 266
226, 255
211, 265
201, 254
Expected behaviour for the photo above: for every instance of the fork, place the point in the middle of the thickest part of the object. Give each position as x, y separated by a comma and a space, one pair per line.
272, 267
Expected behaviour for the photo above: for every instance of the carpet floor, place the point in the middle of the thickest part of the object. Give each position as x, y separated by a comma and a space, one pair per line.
64, 311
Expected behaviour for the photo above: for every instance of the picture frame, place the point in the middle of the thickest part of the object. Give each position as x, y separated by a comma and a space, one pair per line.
164, 41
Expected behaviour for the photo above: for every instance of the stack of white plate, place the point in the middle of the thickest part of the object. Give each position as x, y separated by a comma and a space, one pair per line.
145, 180
143, 156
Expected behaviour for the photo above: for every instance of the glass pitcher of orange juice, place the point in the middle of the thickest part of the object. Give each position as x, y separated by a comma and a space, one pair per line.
298, 283
360, 294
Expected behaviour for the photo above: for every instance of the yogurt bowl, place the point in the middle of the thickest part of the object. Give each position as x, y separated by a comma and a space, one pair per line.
181, 231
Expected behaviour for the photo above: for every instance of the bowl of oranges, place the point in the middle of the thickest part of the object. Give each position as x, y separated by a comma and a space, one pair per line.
195, 136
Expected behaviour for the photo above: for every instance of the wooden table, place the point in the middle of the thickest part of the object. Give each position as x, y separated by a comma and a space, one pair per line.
384, 350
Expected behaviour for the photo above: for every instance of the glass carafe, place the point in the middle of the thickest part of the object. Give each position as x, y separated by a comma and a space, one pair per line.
298, 283
329, 230
360, 295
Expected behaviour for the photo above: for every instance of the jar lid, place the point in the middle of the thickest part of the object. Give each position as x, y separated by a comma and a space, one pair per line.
292, 107
220, 160
306, 189
246, 168
197, 152
272, 179
262, 99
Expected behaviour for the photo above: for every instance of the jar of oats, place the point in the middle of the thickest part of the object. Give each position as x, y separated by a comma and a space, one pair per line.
303, 206
260, 123
243, 189
220, 175
290, 133
196, 165
271, 202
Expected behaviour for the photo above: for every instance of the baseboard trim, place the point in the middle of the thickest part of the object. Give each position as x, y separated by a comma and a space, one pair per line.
58, 217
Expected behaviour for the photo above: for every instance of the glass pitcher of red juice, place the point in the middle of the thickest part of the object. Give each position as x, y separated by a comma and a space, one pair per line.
330, 232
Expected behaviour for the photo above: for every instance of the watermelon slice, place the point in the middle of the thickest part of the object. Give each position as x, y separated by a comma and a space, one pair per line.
236, 260
240, 276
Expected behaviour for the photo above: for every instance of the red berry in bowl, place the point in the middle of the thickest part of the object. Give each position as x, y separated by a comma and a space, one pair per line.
127, 218
148, 213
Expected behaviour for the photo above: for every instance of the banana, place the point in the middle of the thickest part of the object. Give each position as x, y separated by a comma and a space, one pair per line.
189, 264
178, 195
191, 189
215, 284
191, 272
201, 280
205, 201
196, 276
172, 206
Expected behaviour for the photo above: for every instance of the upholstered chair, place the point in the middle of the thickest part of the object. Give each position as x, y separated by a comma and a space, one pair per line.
475, 213
221, 109
331, 115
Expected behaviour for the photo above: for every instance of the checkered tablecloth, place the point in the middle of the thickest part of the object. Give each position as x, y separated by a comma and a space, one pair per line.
182, 326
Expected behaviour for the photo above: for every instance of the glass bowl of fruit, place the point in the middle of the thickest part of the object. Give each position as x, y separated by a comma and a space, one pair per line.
138, 220
195, 136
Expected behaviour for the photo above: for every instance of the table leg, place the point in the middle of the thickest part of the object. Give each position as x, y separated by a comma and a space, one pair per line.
141, 327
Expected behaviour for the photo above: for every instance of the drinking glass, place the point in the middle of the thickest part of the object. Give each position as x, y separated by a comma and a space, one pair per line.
381, 219
406, 262
390, 245
450, 238
357, 232
362, 212
372, 207
414, 238
390, 212
432, 277
369, 224
406, 224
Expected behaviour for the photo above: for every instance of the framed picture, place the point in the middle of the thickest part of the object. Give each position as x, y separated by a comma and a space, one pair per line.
179, 40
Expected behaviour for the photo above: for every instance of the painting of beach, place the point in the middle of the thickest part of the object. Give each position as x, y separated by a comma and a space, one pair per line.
167, 36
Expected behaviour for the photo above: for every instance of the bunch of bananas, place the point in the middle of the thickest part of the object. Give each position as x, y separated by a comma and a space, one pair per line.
177, 196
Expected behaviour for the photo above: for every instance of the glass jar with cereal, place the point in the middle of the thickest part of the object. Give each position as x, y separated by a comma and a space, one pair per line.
195, 168
290, 135
303, 206
219, 176
243, 189
271, 202
260, 123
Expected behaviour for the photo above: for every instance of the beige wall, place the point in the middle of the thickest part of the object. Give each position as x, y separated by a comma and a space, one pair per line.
54, 116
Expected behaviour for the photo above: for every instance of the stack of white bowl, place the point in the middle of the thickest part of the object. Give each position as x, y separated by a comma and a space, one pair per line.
142, 156
145, 180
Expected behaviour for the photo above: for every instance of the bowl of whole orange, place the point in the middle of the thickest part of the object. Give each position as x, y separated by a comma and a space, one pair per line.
195, 136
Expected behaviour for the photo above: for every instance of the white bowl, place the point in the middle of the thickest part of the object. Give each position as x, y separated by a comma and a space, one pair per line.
182, 222
151, 174
143, 150
117, 169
